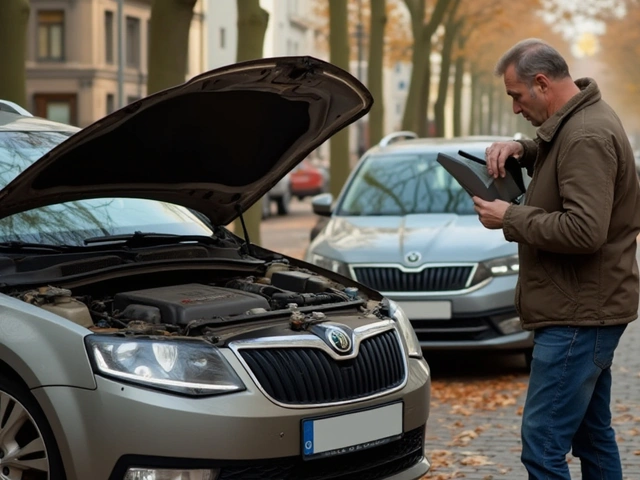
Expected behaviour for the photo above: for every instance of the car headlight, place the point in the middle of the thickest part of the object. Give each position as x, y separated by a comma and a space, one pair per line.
190, 367
330, 264
409, 334
496, 267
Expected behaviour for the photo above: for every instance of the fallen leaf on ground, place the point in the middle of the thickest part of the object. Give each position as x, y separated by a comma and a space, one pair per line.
476, 461
467, 397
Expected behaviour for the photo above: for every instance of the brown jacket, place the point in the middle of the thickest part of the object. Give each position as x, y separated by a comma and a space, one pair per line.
578, 226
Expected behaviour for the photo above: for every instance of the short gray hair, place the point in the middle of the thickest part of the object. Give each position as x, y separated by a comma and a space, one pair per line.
531, 57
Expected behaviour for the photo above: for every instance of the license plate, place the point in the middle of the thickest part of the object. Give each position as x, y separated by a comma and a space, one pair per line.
352, 432
425, 310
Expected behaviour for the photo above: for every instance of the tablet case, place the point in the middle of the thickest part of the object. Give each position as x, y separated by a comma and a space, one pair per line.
471, 173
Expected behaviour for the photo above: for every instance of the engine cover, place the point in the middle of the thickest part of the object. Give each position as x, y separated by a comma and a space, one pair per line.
179, 304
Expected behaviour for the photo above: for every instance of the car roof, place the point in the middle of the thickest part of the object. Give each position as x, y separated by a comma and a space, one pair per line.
15, 122
421, 145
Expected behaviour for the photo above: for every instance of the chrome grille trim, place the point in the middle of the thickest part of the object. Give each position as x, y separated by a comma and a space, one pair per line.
402, 270
310, 341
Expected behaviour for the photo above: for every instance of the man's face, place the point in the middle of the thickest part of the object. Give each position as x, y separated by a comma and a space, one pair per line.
532, 106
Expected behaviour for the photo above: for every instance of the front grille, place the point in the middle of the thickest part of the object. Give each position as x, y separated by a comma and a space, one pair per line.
372, 464
307, 376
431, 279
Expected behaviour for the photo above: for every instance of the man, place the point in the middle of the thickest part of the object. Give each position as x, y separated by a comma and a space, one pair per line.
578, 282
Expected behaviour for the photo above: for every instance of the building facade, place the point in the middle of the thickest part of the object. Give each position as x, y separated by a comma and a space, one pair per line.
75, 72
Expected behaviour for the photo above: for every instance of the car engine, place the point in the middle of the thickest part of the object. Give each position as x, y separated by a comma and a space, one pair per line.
194, 307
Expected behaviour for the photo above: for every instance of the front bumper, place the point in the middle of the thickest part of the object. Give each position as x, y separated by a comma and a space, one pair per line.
103, 432
475, 321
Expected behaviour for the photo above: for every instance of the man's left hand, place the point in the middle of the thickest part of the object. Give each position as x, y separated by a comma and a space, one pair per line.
491, 214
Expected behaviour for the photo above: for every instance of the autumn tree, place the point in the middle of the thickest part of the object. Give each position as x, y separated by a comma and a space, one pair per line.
168, 43
452, 26
252, 26
491, 27
339, 56
14, 16
425, 19
375, 69
619, 53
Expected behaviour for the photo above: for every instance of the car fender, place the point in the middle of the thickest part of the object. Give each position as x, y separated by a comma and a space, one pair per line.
43, 348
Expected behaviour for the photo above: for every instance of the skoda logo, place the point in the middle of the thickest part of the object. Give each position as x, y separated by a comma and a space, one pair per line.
413, 257
339, 339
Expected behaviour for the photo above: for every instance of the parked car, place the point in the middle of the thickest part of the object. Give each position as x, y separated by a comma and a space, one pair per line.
280, 194
143, 340
308, 180
404, 226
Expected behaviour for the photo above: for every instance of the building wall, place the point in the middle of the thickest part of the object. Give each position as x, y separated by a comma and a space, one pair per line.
81, 85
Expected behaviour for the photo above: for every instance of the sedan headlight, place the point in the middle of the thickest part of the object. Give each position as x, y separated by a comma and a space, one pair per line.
409, 334
330, 264
190, 367
497, 267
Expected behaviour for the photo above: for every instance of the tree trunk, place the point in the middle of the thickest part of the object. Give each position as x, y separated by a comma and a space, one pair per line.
445, 74
482, 91
14, 17
339, 55
490, 108
424, 95
417, 104
500, 104
168, 43
375, 75
457, 96
252, 26
412, 109
475, 104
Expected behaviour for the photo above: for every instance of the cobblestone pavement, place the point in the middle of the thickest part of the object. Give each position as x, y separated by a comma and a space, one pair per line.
483, 443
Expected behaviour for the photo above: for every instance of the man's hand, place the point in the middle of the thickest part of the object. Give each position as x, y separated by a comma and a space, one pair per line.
491, 214
497, 153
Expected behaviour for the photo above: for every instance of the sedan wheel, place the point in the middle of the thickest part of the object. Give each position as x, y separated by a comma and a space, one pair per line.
27, 448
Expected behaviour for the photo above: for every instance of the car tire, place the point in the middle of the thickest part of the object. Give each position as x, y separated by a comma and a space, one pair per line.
23, 424
283, 203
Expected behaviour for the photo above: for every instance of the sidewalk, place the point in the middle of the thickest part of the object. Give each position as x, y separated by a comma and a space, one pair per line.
476, 435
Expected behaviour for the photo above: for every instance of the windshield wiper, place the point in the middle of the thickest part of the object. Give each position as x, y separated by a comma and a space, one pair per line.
143, 239
40, 247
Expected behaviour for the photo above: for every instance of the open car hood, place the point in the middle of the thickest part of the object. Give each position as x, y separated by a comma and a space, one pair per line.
216, 143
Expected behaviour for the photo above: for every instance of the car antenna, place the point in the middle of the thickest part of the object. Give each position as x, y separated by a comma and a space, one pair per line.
247, 244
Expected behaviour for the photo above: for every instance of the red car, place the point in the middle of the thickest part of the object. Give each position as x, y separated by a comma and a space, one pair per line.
308, 180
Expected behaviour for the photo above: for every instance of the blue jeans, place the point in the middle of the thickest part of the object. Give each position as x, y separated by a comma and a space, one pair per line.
568, 404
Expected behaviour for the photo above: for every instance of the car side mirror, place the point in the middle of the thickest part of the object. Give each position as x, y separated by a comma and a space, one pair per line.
322, 204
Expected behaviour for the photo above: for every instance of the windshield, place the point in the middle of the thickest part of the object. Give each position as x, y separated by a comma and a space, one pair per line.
70, 223
404, 184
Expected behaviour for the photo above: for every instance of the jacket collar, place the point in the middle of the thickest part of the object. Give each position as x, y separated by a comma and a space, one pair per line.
589, 94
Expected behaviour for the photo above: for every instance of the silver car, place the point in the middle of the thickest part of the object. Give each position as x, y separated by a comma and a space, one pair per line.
402, 225
141, 340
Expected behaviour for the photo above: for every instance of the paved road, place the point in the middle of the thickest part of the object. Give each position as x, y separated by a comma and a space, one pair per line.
474, 427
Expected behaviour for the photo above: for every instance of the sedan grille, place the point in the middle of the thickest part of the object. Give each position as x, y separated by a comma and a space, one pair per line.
307, 376
431, 279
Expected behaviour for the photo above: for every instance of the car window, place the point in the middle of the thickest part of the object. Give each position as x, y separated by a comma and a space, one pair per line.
404, 184
70, 223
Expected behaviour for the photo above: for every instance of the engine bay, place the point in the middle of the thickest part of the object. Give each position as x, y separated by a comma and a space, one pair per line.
193, 308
